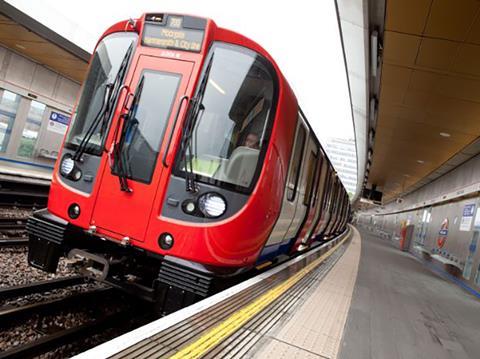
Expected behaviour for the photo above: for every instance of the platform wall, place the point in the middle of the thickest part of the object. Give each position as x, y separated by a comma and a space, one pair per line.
448, 230
35, 107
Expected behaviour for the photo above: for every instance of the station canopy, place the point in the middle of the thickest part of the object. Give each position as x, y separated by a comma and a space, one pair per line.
26, 36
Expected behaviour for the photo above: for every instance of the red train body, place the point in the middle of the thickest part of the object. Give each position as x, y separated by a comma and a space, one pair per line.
187, 162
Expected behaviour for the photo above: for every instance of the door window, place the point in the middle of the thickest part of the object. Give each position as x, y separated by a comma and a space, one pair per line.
312, 169
31, 129
144, 129
8, 109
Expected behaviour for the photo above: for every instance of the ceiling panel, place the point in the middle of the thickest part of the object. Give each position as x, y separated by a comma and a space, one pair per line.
430, 86
409, 16
451, 19
417, 100
437, 54
474, 34
401, 49
424, 80
457, 87
468, 60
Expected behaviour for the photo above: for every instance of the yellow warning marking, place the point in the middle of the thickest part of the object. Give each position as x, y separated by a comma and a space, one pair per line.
263, 265
239, 318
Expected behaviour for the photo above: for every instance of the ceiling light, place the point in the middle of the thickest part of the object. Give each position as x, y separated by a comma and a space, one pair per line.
444, 134
374, 52
20, 46
420, 161
405, 175
217, 86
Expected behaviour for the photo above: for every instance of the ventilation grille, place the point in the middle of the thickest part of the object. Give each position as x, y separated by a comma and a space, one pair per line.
174, 275
38, 228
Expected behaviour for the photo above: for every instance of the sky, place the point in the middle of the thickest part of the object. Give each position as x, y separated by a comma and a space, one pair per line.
303, 39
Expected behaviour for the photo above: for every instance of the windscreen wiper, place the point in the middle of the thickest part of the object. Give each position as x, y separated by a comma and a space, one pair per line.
129, 123
111, 93
196, 106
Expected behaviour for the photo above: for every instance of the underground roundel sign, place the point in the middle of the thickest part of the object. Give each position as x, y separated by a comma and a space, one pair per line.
443, 234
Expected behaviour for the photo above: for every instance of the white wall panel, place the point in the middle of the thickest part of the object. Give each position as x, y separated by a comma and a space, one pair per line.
44, 81
20, 71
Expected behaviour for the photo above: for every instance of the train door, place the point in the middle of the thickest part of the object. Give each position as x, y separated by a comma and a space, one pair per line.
312, 175
325, 215
128, 187
319, 196
300, 200
333, 207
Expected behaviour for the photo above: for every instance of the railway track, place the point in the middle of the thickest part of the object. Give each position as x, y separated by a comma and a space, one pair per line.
13, 231
66, 336
10, 315
52, 338
39, 287
15, 191
12, 223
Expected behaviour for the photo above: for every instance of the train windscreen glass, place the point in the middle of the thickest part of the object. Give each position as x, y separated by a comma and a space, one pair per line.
104, 72
232, 127
172, 33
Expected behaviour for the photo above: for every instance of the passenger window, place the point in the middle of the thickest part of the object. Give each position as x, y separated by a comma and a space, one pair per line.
312, 162
296, 164
232, 129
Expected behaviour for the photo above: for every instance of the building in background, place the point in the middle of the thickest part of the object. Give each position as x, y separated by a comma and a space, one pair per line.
342, 153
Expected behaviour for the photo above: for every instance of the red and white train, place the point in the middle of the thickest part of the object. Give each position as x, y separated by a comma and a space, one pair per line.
187, 163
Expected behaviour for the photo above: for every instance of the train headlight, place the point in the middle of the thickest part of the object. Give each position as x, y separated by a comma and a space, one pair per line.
69, 170
67, 165
212, 205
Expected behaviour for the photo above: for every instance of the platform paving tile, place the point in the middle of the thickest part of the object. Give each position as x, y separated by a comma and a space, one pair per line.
316, 327
402, 310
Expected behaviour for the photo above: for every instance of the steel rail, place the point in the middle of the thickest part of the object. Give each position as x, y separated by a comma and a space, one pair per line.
40, 287
10, 315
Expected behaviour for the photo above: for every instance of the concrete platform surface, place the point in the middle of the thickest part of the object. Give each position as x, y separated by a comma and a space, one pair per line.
400, 309
314, 329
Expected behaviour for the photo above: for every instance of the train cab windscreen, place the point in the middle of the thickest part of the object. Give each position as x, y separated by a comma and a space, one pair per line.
104, 80
231, 129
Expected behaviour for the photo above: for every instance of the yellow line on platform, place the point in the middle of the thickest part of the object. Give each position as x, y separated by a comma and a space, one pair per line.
216, 335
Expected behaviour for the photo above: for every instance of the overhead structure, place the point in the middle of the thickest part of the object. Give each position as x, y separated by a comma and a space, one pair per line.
424, 110
26, 36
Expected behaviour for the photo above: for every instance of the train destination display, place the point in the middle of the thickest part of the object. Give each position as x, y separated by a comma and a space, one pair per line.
173, 36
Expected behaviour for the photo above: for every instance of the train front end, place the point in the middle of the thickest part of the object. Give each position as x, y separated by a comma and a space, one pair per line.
169, 176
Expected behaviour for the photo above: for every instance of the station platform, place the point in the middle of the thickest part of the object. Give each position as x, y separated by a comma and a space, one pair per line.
359, 297
402, 309
16, 171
